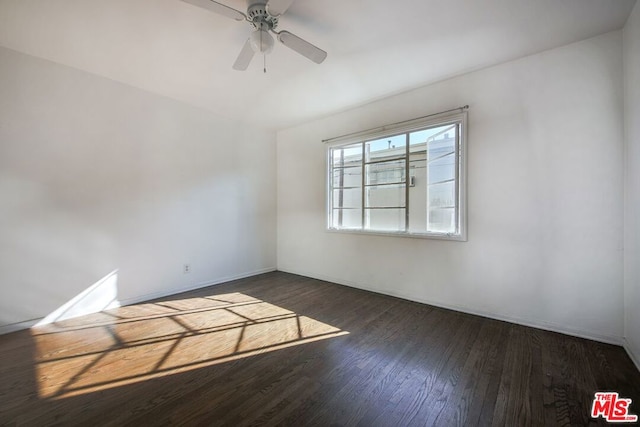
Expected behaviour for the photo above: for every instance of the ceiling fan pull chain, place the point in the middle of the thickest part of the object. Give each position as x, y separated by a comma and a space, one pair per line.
264, 54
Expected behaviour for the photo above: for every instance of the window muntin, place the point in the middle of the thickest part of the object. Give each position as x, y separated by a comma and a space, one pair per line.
407, 182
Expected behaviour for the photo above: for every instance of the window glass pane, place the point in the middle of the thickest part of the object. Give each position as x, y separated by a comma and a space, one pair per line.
442, 142
347, 198
442, 169
385, 172
442, 195
437, 145
350, 155
346, 218
418, 149
418, 192
385, 196
385, 219
432, 134
441, 205
385, 148
418, 180
442, 220
347, 177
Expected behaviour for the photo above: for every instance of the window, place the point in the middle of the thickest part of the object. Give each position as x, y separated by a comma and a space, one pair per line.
408, 180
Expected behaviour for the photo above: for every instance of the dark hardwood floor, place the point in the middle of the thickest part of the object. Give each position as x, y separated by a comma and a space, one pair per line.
280, 349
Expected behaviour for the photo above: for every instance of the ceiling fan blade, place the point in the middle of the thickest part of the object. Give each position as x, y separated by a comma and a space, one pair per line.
301, 46
278, 7
214, 6
244, 58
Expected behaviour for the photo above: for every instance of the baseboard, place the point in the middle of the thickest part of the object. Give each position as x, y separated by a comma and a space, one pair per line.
14, 327
633, 351
630, 348
166, 293
608, 339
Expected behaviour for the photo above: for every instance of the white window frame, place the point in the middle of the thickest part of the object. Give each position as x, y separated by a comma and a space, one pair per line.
407, 127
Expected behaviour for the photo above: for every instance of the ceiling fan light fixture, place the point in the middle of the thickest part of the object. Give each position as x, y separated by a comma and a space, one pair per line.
261, 41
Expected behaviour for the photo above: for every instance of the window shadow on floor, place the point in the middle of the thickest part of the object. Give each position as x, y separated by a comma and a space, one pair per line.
84, 358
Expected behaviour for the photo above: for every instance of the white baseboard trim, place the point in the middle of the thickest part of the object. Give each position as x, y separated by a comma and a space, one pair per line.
219, 281
633, 351
13, 327
608, 339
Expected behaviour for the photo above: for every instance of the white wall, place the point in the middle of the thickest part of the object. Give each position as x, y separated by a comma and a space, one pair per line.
545, 196
631, 45
96, 176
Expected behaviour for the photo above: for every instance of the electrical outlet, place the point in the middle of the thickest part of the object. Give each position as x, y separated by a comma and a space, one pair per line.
186, 269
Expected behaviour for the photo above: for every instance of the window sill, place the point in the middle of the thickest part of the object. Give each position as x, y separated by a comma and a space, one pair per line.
435, 236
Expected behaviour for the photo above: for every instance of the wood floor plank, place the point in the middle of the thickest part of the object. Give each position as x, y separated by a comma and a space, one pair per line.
426, 371
517, 389
464, 408
433, 410
281, 349
372, 366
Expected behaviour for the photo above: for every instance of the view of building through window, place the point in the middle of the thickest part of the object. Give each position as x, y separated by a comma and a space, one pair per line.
403, 183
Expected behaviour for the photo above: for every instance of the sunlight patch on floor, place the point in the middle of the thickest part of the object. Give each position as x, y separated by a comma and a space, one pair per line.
136, 343
102, 295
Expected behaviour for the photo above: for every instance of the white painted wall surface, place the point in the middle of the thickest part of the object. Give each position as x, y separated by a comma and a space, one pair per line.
631, 43
96, 176
545, 196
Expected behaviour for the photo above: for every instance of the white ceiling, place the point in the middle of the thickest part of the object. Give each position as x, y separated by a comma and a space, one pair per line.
376, 47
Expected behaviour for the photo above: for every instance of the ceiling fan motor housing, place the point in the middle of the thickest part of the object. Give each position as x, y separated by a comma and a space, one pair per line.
260, 18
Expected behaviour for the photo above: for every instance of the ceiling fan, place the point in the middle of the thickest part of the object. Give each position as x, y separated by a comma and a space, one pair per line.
263, 15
